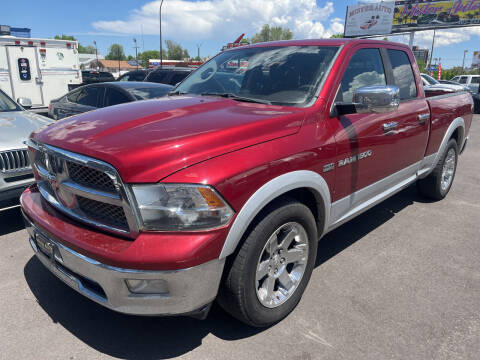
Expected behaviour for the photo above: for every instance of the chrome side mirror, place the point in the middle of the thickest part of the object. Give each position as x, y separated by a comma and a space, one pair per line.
370, 99
25, 102
376, 99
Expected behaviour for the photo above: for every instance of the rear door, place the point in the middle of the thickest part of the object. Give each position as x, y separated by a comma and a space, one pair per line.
26, 80
412, 116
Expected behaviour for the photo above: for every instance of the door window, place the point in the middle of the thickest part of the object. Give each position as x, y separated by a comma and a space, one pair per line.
403, 74
115, 97
475, 80
72, 97
88, 97
463, 80
364, 69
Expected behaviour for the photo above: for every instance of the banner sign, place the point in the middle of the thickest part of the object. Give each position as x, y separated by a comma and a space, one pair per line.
426, 15
383, 18
476, 59
369, 19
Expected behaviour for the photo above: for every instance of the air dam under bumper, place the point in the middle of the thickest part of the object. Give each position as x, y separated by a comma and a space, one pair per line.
184, 291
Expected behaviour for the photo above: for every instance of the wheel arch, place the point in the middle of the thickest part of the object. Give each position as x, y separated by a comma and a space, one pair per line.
456, 130
307, 186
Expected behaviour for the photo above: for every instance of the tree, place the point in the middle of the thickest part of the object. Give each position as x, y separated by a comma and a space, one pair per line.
89, 49
115, 52
421, 66
149, 54
273, 33
81, 49
175, 51
336, 36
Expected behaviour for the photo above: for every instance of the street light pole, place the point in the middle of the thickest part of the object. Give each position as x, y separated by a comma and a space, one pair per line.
160, 16
463, 63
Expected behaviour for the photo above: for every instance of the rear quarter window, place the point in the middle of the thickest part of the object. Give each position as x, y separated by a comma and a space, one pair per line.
403, 74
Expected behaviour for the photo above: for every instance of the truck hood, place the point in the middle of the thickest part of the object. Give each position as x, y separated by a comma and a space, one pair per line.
16, 126
149, 140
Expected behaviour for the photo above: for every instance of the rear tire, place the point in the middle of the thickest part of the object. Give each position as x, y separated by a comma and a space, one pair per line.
270, 271
438, 183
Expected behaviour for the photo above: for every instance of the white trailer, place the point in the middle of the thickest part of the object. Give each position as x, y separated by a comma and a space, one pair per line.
38, 69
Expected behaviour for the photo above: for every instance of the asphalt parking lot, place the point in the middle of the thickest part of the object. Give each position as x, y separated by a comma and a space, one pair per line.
401, 281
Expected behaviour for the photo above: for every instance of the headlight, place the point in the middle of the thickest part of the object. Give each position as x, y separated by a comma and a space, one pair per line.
172, 207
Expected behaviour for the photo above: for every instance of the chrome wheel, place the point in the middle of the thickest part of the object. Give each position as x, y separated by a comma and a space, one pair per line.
281, 265
448, 169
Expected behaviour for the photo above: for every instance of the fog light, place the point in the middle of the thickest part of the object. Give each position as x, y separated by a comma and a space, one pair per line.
155, 286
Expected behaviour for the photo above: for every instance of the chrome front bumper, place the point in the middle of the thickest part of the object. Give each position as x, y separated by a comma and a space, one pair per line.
185, 291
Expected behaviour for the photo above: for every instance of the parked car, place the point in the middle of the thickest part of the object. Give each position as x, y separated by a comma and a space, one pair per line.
171, 76
91, 97
226, 185
476, 100
16, 124
472, 81
136, 75
435, 84
93, 76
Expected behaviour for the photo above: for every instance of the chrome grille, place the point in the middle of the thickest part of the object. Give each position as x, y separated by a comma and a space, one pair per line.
14, 161
90, 177
109, 214
87, 189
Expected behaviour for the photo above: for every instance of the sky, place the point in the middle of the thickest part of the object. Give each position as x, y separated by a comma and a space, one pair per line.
209, 24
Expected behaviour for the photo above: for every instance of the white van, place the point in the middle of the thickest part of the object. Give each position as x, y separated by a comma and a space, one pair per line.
38, 69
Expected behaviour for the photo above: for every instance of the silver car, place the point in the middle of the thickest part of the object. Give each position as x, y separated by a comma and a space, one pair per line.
16, 124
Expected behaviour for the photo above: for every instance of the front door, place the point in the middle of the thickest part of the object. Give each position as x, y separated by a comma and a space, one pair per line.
26, 80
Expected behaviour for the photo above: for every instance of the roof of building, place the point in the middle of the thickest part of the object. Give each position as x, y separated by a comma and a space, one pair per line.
114, 64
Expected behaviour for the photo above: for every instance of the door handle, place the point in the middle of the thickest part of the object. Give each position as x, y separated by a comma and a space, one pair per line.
422, 118
390, 126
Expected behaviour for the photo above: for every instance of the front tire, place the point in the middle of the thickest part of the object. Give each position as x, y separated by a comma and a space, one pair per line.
269, 273
438, 183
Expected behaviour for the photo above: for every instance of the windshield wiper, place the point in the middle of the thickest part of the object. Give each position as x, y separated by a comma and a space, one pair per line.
178, 92
238, 98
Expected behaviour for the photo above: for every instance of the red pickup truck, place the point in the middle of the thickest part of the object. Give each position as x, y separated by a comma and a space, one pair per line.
222, 189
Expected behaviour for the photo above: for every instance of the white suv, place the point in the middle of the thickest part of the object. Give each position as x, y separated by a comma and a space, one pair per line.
16, 124
472, 81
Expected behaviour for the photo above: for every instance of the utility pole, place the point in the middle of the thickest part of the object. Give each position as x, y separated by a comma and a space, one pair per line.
463, 63
96, 53
118, 54
160, 16
136, 51
431, 52
198, 52
410, 42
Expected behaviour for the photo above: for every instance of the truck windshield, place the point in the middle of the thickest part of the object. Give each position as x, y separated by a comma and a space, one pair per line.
6, 104
430, 79
287, 75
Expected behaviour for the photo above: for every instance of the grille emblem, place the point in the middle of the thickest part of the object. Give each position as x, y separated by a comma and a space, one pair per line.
57, 170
